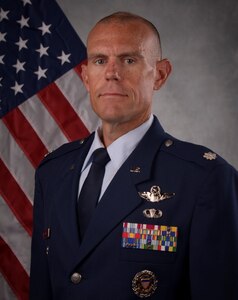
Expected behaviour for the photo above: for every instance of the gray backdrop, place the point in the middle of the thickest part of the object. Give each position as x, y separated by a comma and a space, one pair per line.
200, 38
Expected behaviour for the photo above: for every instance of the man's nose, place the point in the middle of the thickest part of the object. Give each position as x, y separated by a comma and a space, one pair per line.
113, 71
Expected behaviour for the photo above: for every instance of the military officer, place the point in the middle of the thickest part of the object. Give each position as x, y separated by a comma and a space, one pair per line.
164, 224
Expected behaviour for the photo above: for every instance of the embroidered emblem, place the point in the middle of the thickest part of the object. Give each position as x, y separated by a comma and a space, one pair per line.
155, 195
149, 237
152, 213
210, 155
144, 284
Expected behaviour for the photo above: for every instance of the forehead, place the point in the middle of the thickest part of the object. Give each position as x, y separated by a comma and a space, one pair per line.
120, 35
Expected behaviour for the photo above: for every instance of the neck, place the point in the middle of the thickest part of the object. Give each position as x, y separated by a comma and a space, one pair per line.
113, 131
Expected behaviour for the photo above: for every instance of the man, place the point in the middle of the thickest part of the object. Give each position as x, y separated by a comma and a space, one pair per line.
165, 225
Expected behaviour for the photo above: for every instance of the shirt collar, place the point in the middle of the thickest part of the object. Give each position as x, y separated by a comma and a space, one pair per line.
121, 148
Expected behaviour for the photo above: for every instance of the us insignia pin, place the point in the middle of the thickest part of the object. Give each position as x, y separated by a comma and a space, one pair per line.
135, 170
144, 284
155, 195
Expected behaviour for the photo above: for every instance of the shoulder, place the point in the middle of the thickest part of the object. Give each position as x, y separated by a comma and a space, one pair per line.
66, 149
192, 153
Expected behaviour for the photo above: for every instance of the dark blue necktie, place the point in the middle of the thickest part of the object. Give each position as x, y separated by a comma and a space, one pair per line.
91, 189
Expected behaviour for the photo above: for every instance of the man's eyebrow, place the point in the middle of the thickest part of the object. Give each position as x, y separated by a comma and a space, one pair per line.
95, 55
133, 54
121, 55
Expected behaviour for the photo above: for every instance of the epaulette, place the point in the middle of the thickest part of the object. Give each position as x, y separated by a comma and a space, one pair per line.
64, 149
191, 152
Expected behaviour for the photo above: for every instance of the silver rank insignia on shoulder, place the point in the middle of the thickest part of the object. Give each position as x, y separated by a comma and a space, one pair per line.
210, 155
144, 284
155, 195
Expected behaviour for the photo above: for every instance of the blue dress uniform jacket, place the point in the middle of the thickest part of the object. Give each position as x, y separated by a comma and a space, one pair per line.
202, 208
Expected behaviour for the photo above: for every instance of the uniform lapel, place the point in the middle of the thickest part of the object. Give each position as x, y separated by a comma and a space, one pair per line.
67, 193
121, 196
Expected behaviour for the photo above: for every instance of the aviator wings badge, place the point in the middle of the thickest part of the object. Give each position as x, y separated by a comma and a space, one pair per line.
155, 195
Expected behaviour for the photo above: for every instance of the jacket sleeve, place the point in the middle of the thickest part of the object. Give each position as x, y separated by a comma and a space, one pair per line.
214, 237
40, 287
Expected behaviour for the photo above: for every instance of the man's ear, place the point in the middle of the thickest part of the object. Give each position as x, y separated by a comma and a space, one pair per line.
163, 69
85, 76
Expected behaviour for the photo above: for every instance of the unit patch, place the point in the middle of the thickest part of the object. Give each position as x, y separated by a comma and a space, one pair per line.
149, 237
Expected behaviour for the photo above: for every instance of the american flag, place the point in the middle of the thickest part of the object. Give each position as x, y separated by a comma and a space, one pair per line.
43, 104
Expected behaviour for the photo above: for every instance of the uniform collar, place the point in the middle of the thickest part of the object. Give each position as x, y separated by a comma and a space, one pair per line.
121, 148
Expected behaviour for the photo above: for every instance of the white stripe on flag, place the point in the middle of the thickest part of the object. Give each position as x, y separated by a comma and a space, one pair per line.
16, 162
6, 292
19, 241
45, 126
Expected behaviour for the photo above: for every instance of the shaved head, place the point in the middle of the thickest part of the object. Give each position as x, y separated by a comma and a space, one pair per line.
123, 18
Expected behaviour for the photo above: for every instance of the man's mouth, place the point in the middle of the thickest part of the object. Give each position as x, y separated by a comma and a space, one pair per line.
112, 94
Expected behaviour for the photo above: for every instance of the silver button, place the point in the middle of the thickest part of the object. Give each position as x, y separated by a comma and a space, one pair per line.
81, 141
76, 278
168, 143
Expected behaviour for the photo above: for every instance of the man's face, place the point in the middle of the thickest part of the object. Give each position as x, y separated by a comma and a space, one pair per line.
122, 72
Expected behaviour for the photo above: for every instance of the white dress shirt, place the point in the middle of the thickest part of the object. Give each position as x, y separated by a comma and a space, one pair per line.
118, 151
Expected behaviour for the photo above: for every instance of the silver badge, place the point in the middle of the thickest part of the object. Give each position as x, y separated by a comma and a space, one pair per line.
155, 195
144, 284
152, 213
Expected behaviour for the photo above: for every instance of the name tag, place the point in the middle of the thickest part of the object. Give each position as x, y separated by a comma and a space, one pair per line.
149, 237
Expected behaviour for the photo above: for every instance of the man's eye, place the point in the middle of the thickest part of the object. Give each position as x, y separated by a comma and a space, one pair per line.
99, 61
129, 61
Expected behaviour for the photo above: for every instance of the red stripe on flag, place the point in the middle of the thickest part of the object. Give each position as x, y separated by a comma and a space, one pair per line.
63, 113
25, 136
15, 198
13, 272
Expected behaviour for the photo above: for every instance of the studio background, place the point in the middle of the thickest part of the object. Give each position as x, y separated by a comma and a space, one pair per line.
199, 101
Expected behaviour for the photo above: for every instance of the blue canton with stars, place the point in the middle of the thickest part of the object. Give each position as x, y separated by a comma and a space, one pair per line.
37, 46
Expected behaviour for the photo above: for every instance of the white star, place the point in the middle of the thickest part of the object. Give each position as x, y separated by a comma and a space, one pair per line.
40, 73
42, 50
26, 1
21, 43
44, 28
3, 14
17, 88
2, 37
1, 59
64, 58
19, 66
23, 22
